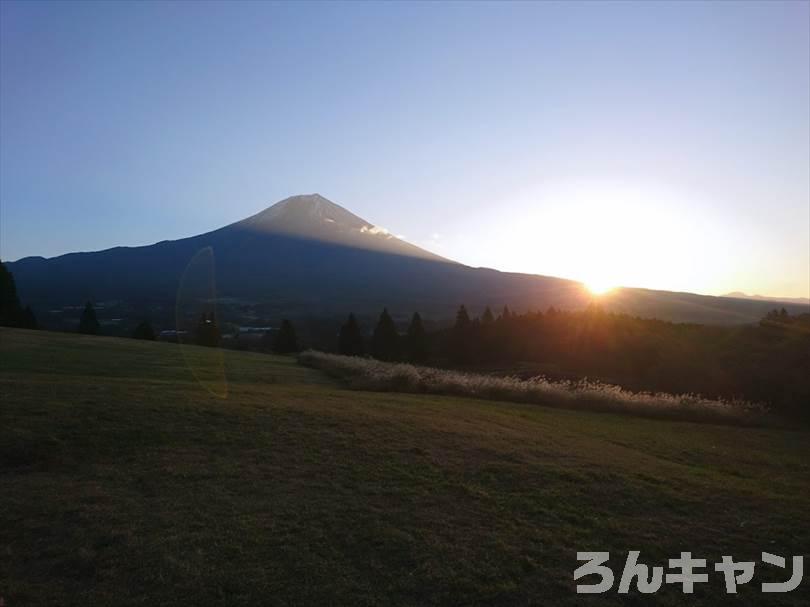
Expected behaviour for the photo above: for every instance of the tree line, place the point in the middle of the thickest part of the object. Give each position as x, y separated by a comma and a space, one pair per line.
386, 343
766, 362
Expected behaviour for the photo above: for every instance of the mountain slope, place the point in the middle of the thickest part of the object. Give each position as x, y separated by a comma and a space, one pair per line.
791, 300
313, 217
308, 256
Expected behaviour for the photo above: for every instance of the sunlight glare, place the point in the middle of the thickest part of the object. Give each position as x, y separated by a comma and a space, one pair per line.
598, 287
607, 233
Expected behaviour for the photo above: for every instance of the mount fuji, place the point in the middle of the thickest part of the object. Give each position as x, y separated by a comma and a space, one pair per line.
306, 255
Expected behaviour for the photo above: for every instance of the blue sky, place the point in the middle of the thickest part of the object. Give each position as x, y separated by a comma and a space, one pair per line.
641, 144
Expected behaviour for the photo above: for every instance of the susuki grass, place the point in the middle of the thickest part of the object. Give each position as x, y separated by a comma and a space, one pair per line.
375, 375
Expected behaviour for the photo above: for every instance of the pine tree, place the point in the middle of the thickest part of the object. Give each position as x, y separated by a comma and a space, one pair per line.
88, 323
285, 341
350, 340
462, 318
461, 337
487, 317
416, 340
10, 311
385, 340
144, 330
506, 314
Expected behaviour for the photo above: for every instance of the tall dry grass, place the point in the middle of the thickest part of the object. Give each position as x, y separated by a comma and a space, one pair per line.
374, 375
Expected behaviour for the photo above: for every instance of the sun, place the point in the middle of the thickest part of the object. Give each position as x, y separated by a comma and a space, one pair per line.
599, 287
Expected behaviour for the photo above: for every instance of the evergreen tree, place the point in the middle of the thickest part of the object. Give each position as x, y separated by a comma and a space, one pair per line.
487, 317
144, 330
350, 340
285, 341
385, 340
416, 340
10, 311
207, 330
461, 337
462, 318
88, 323
506, 314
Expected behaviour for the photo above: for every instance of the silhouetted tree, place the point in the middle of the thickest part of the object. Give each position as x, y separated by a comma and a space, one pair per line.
208, 331
88, 323
461, 338
416, 340
462, 318
10, 311
144, 330
385, 340
506, 314
487, 316
350, 340
285, 341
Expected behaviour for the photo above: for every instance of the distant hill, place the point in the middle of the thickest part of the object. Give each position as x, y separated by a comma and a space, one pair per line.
309, 256
789, 300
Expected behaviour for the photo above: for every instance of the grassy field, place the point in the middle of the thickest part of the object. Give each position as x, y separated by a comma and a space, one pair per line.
123, 481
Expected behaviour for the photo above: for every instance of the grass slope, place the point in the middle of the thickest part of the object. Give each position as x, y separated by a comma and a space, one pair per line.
124, 482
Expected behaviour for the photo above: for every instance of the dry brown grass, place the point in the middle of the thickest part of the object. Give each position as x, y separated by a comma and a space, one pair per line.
373, 375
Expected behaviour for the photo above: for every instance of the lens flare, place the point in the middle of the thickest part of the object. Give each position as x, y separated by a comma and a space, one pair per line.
196, 306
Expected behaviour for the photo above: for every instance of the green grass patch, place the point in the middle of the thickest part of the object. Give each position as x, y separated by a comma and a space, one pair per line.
124, 481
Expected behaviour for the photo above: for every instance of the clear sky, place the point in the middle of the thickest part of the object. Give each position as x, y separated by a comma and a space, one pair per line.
641, 144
